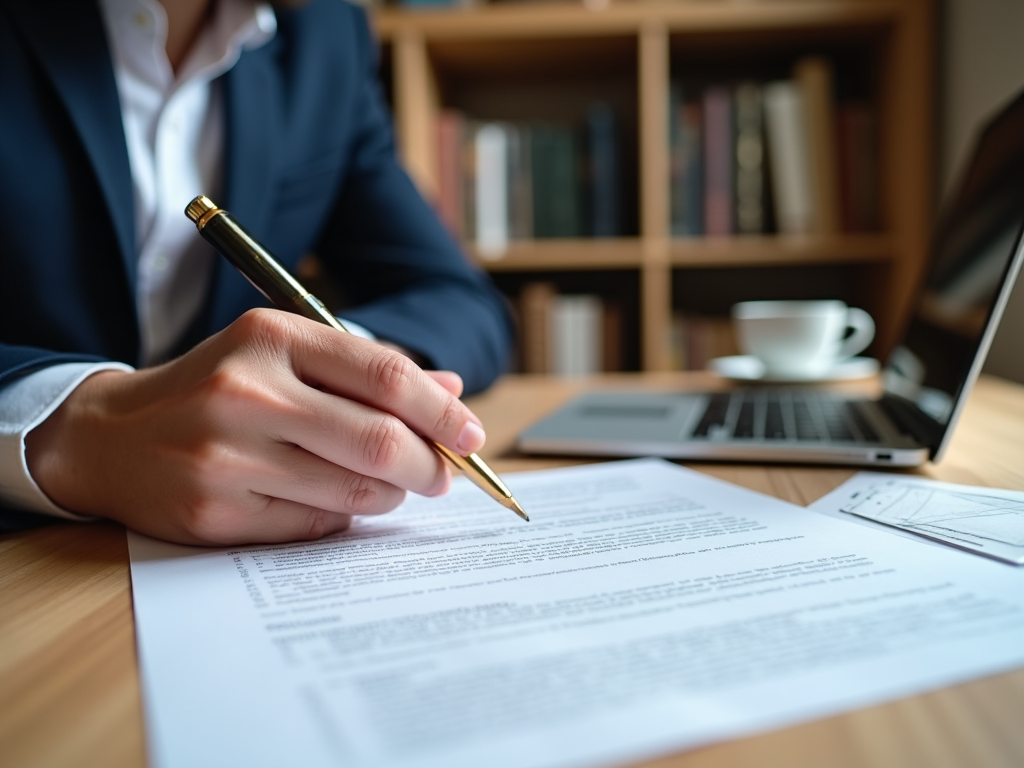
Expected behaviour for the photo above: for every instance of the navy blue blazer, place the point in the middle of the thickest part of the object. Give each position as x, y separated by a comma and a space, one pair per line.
309, 168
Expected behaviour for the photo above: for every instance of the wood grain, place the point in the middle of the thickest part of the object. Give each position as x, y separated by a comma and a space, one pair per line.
69, 684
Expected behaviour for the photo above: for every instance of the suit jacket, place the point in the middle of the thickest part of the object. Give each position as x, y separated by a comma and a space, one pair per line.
309, 166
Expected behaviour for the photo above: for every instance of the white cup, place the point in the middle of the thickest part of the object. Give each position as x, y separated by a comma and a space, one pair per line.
801, 339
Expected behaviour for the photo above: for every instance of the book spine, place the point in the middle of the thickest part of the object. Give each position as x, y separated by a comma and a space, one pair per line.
540, 173
576, 335
677, 186
468, 167
536, 302
814, 78
692, 119
611, 337
565, 184
605, 181
678, 342
788, 158
750, 202
492, 190
520, 184
449, 175
718, 162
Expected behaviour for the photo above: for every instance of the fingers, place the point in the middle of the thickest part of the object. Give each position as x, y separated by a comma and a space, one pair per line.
296, 475
283, 520
386, 380
363, 439
450, 380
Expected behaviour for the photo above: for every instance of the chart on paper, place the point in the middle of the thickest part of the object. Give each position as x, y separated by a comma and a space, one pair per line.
984, 520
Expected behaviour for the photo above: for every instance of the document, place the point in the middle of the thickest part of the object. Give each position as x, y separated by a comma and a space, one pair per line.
645, 610
987, 521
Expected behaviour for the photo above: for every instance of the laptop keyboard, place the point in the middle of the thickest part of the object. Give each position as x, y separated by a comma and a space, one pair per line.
791, 414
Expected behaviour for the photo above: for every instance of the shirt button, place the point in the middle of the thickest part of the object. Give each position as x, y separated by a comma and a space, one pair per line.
142, 20
159, 263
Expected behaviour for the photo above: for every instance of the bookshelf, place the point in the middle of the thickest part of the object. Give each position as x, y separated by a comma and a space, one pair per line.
547, 61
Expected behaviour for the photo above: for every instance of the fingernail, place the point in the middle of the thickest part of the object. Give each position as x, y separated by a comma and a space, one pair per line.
471, 439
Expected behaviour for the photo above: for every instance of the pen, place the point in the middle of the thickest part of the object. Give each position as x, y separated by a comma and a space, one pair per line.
285, 292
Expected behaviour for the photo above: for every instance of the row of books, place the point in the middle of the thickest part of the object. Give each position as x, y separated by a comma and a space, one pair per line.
502, 181
776, 157
567, 334
580, 334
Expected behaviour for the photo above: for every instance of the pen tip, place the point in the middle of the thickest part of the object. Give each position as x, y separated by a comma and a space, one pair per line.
518, 509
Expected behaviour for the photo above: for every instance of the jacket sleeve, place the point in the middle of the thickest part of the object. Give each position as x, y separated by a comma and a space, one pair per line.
409, 280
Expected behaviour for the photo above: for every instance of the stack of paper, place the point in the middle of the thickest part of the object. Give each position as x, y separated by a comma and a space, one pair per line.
646, 609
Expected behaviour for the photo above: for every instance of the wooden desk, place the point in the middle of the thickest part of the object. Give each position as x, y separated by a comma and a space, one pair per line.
69, 685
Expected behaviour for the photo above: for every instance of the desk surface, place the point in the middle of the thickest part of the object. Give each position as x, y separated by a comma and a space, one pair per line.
69, 685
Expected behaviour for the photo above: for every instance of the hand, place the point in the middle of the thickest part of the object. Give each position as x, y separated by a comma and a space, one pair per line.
276, 429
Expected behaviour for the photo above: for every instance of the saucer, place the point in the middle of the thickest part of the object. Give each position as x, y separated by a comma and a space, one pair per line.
749, 368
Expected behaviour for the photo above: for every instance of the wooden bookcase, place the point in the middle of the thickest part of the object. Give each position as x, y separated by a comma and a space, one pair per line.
544, 60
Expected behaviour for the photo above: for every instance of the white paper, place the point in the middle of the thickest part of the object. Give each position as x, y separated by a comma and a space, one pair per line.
645, 609
988, 521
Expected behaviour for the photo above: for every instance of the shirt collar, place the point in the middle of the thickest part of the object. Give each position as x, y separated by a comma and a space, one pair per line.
236, 25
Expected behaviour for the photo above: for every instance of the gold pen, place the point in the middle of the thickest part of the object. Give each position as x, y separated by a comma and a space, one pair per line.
285, 292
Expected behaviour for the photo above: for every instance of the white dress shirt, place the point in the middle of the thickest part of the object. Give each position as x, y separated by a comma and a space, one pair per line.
174, 131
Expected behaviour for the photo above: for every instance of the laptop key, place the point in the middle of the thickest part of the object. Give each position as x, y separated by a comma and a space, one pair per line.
774, 426
745, 421
714, 416
805, 426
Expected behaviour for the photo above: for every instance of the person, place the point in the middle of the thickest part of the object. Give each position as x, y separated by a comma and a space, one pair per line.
141, 378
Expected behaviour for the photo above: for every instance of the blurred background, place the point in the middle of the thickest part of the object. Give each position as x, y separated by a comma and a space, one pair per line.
982, 66
627, 170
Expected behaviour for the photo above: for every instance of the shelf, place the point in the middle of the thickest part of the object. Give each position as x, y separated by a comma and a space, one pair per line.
771, 251
698, 253
526, 62
534, 20
574, 254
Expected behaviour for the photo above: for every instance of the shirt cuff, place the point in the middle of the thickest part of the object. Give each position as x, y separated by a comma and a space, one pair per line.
24, 405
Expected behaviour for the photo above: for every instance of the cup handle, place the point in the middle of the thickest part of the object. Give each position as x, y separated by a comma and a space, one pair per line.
863, 332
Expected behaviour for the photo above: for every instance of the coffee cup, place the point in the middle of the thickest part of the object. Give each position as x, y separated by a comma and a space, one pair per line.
801, 339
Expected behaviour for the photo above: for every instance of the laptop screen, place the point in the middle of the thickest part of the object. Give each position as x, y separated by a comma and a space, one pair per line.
967, 281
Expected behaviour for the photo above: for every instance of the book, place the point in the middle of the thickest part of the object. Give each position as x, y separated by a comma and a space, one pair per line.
576, 325
676, 191
556, 188
611, 337
535, 306
520, 183
813, 75
492, 186
468, 171
788, 158
605, 178
750, 171
686, 158
450, 126
693, 169
718, 161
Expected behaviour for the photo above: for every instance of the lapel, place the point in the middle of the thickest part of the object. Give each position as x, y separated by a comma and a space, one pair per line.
253, 106
70, 42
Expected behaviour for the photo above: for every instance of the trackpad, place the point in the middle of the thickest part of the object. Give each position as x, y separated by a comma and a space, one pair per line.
620, 416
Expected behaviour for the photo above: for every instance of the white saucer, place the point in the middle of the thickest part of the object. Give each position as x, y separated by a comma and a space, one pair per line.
749, 368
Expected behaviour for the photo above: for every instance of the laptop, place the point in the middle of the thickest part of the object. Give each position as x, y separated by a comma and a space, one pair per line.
976, 254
